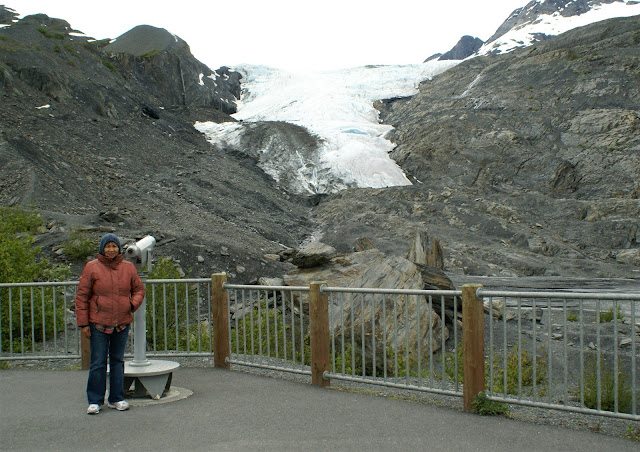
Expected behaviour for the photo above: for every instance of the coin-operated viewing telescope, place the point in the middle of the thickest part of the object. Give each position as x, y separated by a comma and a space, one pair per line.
140, 253
146, 377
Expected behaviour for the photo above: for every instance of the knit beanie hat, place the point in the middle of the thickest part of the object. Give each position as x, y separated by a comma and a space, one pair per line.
109, 238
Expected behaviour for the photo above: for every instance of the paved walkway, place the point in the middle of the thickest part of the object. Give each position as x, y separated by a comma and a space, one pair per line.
231, 410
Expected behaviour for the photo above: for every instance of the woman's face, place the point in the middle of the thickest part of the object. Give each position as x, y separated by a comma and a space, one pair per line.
111, 250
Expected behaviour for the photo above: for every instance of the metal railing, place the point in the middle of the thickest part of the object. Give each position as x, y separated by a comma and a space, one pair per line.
37, 320
566, 351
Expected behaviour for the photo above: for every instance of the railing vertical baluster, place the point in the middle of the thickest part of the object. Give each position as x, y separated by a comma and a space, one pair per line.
293, 327
21, 322
284, 324
344, 357
198, 318
373, 335
362, 337
419, 300
505, 346
455, 341
353, 346
534, 345
519, 349
431, 372
395, 337
247, 305
598, 358
634, 339
550, 364
302, 350
616, 402
581, 310
491, 348
164, 313
384, 337
565, 355
186, 306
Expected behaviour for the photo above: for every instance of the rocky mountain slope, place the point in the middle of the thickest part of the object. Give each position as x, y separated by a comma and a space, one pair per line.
97, 140
524, 164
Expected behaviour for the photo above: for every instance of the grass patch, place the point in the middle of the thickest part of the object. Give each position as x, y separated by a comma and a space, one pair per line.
608, 315
572, 316
485, 407
632, 433
149, 54
50, 34
109, 65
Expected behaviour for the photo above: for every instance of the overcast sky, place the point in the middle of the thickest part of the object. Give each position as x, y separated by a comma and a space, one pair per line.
291, 34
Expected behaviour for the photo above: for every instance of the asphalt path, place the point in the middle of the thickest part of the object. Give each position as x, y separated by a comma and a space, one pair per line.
220, 410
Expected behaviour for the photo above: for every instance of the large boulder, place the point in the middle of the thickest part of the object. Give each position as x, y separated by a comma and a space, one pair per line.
402, 322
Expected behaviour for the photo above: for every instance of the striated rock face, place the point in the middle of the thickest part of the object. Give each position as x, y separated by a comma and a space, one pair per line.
525, 164
466, 46
163, 62
350, 315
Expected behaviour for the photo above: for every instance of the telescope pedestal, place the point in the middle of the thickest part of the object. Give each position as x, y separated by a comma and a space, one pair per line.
149, 376
152, 378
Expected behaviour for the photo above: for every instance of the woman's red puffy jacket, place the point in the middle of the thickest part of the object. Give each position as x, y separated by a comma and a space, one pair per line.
108, 292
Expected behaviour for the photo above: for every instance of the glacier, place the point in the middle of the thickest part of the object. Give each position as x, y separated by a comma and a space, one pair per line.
336, 107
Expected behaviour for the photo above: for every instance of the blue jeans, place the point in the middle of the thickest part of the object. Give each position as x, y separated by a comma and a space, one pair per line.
103, 346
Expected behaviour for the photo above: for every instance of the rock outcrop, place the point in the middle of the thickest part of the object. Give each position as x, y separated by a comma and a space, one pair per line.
395, 317
465, 47
163, 63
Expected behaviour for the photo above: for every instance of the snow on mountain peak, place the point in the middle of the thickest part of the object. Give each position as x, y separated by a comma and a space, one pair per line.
529, 31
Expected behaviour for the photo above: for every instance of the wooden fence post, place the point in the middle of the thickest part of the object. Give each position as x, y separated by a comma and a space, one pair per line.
319, 319
85, 352
472, 345
220, 316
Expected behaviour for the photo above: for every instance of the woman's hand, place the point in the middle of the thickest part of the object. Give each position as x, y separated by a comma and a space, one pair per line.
86, 332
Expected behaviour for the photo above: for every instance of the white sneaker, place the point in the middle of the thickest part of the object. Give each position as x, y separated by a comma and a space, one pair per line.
122, 405
93, 409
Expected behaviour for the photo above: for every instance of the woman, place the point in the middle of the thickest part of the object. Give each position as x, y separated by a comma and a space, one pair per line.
109, 291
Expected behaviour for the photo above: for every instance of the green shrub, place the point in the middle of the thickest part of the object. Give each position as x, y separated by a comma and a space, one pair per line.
27, 315
79, 246
607, 316
607, 387
572, 316
483, 406
527, 379
4, 365
109, 65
